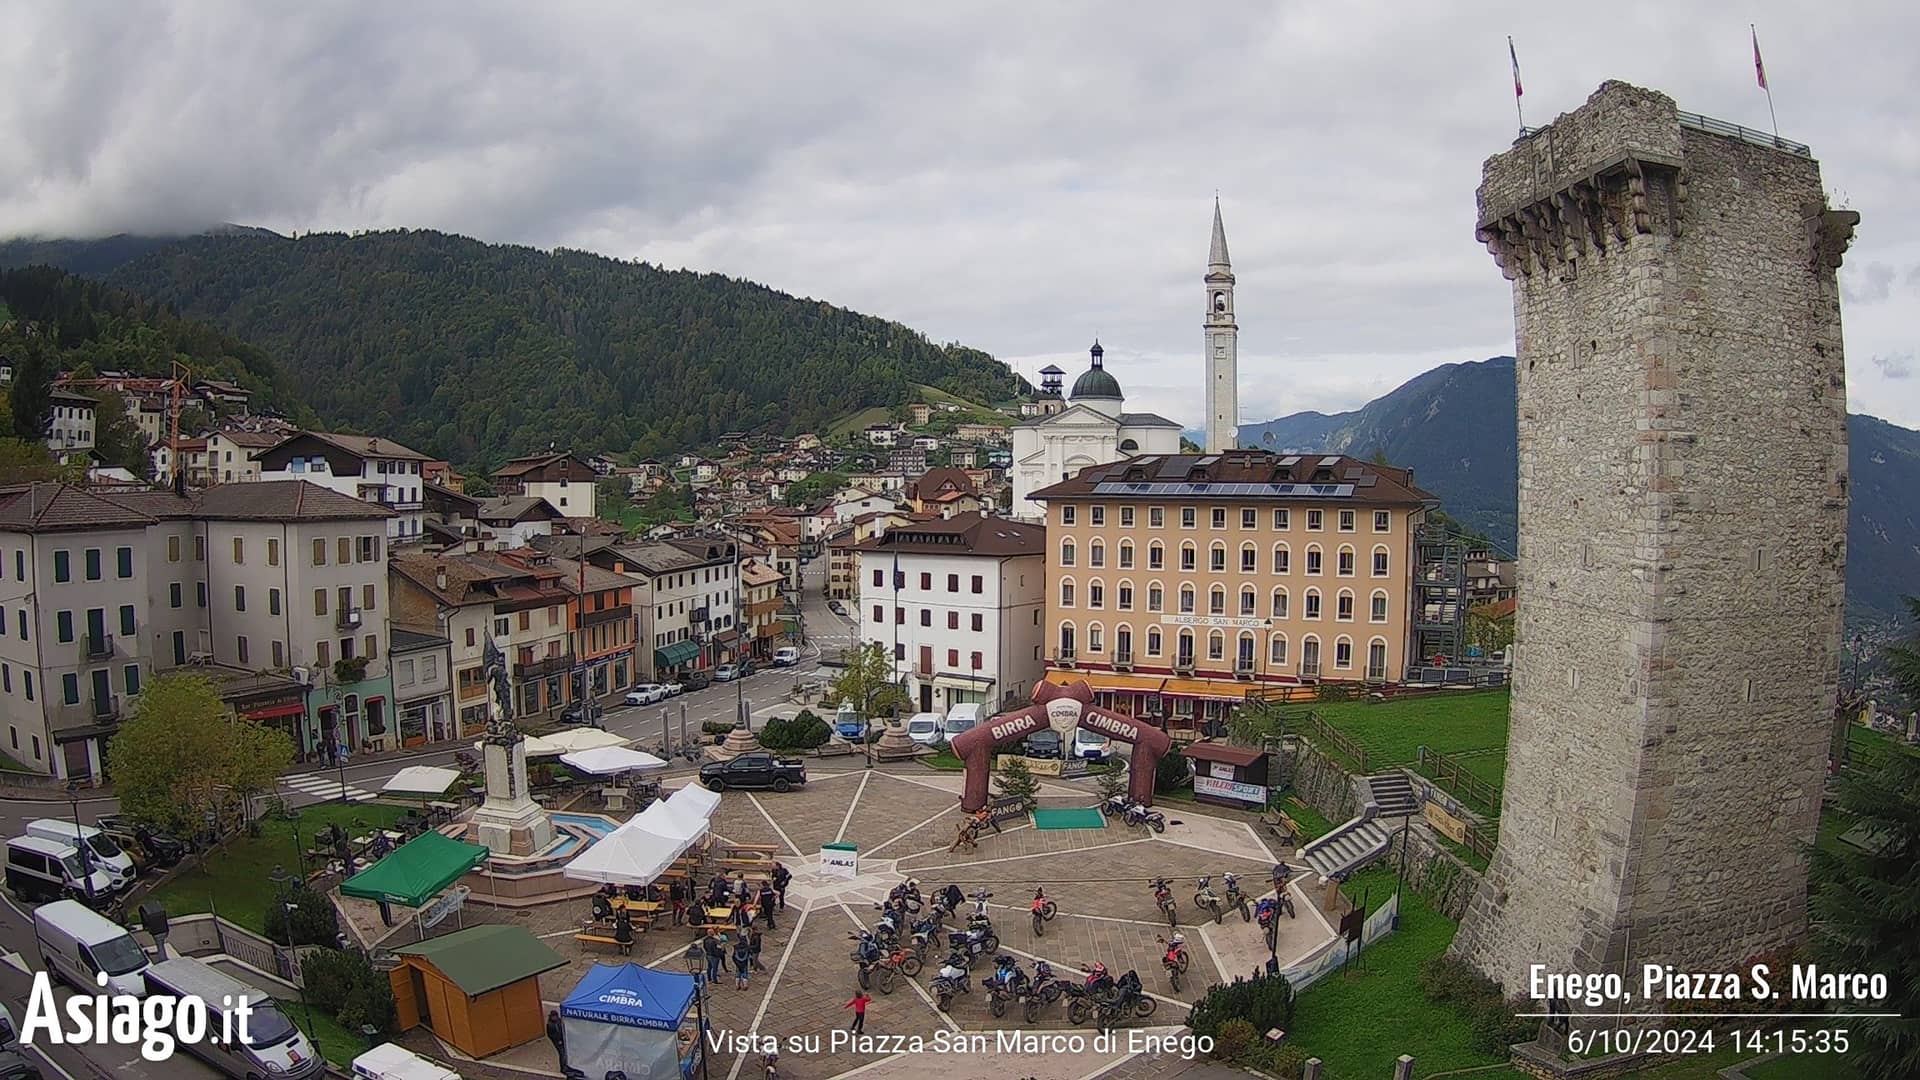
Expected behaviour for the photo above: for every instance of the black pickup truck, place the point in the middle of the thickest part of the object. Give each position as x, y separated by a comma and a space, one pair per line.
754, 771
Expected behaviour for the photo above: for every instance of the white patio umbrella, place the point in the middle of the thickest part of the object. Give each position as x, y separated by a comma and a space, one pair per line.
611, 760
422, 780
575, 739
536, 746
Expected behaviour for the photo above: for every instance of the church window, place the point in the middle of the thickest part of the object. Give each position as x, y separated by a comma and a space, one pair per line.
1129, 446
1220, 301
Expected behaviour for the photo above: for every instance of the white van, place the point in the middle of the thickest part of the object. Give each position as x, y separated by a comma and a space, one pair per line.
101, 850
273, 1046
962, 717
924, 728
78, 944
42, 869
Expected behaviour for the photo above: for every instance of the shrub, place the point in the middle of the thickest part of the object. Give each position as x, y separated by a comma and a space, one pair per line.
1235, 1040
1287, 1062
1264, 1003
1016, 781
313, 918
1478, 1000
810, 730
1170, 774
716, 727
346, 985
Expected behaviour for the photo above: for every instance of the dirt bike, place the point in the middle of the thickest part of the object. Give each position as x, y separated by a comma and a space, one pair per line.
869, 967
1129, 1002
1235, 898
952, 980
1174, 958
1042, 912
1207, 900
1163, 898
1043, 991
890, 967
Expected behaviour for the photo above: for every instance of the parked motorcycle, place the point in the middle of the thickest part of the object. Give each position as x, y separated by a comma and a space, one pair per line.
1207, 900
1044, 990
908, 894
952, 979
1138, 814
1130, 1000
1163, 899
922, 936
973, 943
867, 956
1006, 984
1235, 898
1116, 806
1042, 912
1174, 958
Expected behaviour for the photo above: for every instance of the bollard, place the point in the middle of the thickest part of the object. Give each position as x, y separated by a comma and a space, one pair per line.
1311, 1070
1403, 1068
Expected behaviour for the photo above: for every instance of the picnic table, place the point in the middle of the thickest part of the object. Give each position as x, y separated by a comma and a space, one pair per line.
736, 850
643, 907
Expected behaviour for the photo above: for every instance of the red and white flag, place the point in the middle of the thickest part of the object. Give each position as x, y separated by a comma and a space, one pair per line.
1759, 66
1516, 65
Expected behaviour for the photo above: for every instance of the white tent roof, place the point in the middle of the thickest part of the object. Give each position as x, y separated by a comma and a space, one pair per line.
422, 780
676, 825
610, 760
629, 855
697, 797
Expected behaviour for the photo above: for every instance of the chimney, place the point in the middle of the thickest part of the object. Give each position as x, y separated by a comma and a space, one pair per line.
440, 577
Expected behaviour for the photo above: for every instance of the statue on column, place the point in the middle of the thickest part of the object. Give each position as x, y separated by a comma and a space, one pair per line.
501, 731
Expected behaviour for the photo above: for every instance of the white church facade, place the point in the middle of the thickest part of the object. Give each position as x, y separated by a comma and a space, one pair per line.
1090, 425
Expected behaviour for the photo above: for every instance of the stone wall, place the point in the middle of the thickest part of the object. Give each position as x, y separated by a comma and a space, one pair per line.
1682, 520
1320, 782
1434, 872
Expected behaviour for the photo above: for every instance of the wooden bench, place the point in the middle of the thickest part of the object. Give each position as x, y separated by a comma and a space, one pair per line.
1284, 828
599, 939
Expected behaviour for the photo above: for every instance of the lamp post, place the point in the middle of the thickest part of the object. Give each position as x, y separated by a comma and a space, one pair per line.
282, 891
1859, 640
79, 841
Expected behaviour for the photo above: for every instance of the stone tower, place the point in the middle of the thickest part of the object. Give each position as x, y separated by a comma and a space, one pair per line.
1222, 344
1683, 508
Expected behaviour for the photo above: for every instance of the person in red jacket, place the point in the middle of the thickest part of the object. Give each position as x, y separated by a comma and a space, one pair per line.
859, 1006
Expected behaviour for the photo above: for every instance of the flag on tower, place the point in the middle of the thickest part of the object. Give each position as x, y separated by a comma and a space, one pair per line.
1516, 64
1759, 66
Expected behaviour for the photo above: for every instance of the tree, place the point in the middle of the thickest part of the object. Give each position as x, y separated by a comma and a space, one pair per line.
1866, 901
1903, 660
1110, 779
1015, 781
183, 754
1487, 632
31, 396
867, 680
610, 497
1188, 446
1171, 774
117, 436
477, 486
24, 462
312, 915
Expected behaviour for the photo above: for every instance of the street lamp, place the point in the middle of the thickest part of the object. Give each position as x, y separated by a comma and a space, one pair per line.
80, 841
283, 892
1858, 641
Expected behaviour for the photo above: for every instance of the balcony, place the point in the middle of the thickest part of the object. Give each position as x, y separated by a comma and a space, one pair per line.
763, 609
99, 646
347, 619
1309, 669
1183, 664
551, 665
107, 708
606, 615
1243, 668
1123, 659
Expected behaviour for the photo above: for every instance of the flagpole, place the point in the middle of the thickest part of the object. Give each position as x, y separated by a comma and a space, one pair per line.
1760, 71
1517, 92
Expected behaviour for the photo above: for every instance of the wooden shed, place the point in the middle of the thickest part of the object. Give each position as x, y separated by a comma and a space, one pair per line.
1229, 775
478, 988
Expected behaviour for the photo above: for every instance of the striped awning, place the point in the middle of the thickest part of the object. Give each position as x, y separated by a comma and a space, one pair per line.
675, 654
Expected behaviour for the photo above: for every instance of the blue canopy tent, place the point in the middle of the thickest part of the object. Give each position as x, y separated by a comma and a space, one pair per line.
635, 1019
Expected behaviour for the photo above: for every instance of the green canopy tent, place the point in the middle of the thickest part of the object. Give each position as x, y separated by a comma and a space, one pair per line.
416, 871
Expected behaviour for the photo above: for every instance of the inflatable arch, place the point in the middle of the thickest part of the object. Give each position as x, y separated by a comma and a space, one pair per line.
1062, 708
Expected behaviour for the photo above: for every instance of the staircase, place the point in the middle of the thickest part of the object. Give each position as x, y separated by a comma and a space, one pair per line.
1385, 799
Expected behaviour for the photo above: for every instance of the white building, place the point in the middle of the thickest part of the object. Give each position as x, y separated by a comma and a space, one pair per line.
685, 601
230, 457
566, 480
71, 425
883, 434
958, 604
368, 468
1094, 429
855, 501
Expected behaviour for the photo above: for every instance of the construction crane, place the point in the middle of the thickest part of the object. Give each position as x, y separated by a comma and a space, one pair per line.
174, 386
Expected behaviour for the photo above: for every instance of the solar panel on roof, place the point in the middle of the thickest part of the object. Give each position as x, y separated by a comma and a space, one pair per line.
1137, 487
1290, 459
1206, 461
1334, 460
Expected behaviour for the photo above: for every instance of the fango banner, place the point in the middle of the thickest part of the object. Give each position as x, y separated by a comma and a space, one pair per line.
840, 860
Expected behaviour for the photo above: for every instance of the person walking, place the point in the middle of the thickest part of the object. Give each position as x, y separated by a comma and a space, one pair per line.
678, 895
623, 931
859, 1006
716, 954
781, 876
557, 1035
742, 962
742, 914
766, 904
753, 946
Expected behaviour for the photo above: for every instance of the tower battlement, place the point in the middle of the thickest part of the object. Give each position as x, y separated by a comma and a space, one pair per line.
1682, 512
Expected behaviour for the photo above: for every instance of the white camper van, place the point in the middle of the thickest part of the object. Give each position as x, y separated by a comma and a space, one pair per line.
101, 850
79, 944
42, 869
273, 1046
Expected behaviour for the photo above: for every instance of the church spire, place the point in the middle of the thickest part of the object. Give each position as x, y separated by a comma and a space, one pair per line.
1217, 256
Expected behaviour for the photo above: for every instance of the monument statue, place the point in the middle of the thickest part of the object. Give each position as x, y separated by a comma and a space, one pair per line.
508, 821
500, 726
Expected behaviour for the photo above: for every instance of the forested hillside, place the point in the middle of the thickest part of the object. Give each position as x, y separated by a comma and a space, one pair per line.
477, 352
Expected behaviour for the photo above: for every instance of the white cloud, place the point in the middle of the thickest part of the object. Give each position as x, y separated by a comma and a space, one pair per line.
1017, 177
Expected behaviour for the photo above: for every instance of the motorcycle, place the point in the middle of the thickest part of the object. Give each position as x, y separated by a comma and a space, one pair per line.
887, 929
1007, 983
1138, 814
1207, 900
1116, 806
1236, 898
952, 980
869, 969
1044, 990
1163, 899
980, 913
972, 943
907, 893
770, 1061
893, 963
1042, 912
1130, 1000
1267, 912
922, 936
1174, 958
946, 902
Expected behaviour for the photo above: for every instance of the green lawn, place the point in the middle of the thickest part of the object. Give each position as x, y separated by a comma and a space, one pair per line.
1447, 721
235, 881
1358, 1022
942, 759
335, 1042
1313, 825
8, 764
1803, 1067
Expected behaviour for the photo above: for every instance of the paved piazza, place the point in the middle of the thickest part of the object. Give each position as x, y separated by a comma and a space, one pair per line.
903, 821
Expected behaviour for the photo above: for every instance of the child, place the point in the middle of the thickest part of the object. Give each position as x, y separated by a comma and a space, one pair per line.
859, 1006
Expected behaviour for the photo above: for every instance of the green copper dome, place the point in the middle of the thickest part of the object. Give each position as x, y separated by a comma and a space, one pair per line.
1097, 382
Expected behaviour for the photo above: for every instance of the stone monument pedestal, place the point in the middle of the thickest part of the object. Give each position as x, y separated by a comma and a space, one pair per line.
894, 744
509, 822
738, 741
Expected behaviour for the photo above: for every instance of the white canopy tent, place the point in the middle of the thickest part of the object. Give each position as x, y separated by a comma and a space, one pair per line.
422, 780
611, 760
698, 797
629, 855
678, 825
566, 742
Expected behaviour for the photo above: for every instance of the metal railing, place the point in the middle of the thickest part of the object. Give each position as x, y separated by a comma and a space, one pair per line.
99, 646
346, 618
105, 708
1744, 134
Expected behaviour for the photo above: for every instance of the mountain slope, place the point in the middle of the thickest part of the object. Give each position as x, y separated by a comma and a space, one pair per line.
1438, 423
1456, 427
477, 352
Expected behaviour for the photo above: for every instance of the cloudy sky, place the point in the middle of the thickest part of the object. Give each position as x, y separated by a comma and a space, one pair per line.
1018, 177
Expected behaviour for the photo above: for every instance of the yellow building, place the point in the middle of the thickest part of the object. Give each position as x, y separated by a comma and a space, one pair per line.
1177, 583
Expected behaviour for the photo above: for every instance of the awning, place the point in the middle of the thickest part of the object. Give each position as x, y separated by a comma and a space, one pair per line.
675, 654
274, 712
417, 871
486, 957
422, 780
1108, 681
955, 681
1215, 689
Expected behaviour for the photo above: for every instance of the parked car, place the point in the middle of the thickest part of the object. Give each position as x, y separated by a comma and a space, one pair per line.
101, 848
754, 771
646, 694
786, 657
674, 689
853, 728
725, 673
695, 680
1091, 745
836, 607
587, 713
79, 945
1043, 744
924, 728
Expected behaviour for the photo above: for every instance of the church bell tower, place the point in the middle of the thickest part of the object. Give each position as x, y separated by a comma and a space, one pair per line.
1222, 344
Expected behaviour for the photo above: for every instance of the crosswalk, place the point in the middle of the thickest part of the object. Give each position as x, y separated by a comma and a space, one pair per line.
325, 788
